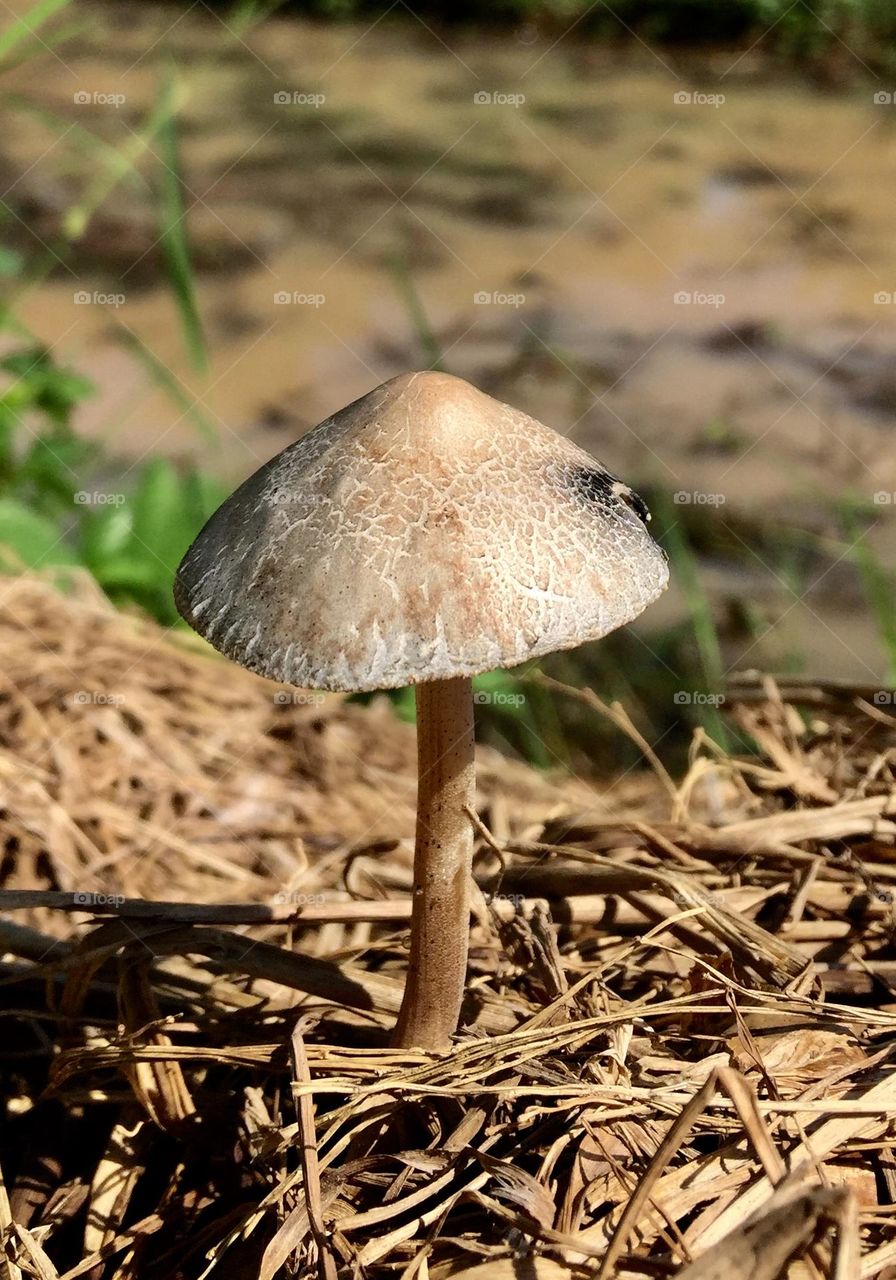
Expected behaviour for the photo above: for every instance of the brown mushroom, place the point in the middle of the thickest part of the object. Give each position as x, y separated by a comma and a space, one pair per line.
422, 535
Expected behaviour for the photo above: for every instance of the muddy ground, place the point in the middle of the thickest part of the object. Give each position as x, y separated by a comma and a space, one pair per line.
684, 262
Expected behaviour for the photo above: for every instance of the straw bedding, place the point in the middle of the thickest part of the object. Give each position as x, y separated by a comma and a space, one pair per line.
678, 1047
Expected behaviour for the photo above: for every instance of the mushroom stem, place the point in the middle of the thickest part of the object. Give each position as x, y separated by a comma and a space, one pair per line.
443, 863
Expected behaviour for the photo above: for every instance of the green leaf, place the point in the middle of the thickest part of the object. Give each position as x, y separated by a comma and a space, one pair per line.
8, 424
165, 517
205, 493
51, 472
105, 536
128, 574
42, 384
30, 540
11, 263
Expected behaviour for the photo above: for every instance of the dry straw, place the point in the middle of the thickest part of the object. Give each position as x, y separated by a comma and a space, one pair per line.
678, 1054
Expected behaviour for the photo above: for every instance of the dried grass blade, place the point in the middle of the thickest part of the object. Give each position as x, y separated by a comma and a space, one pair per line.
113, 1184
308, 1153
762, 1247
879, 1103
744, 1101
8, 1269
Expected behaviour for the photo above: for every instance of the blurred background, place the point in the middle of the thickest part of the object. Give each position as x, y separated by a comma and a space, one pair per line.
665, 229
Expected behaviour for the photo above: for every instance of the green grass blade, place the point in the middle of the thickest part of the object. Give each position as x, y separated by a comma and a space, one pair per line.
417, 313
26, 26
246, 14
117, 164
683, 564
175, 247
878, 587
164, 378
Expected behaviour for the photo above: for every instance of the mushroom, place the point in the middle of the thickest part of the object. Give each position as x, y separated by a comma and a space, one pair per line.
424, 534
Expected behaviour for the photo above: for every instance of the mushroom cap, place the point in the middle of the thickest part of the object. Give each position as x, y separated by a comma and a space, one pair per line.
424, 532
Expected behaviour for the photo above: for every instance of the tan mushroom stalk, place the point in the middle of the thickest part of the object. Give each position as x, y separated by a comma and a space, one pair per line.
422, 535
443, 865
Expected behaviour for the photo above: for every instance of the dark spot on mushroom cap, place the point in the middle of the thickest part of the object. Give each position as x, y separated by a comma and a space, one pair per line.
599, 486
633, 500
592, 484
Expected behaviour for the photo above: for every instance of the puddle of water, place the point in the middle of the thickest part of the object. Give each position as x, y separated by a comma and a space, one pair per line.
688, 289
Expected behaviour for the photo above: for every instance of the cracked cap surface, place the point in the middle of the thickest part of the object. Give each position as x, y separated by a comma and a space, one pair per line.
423, 532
